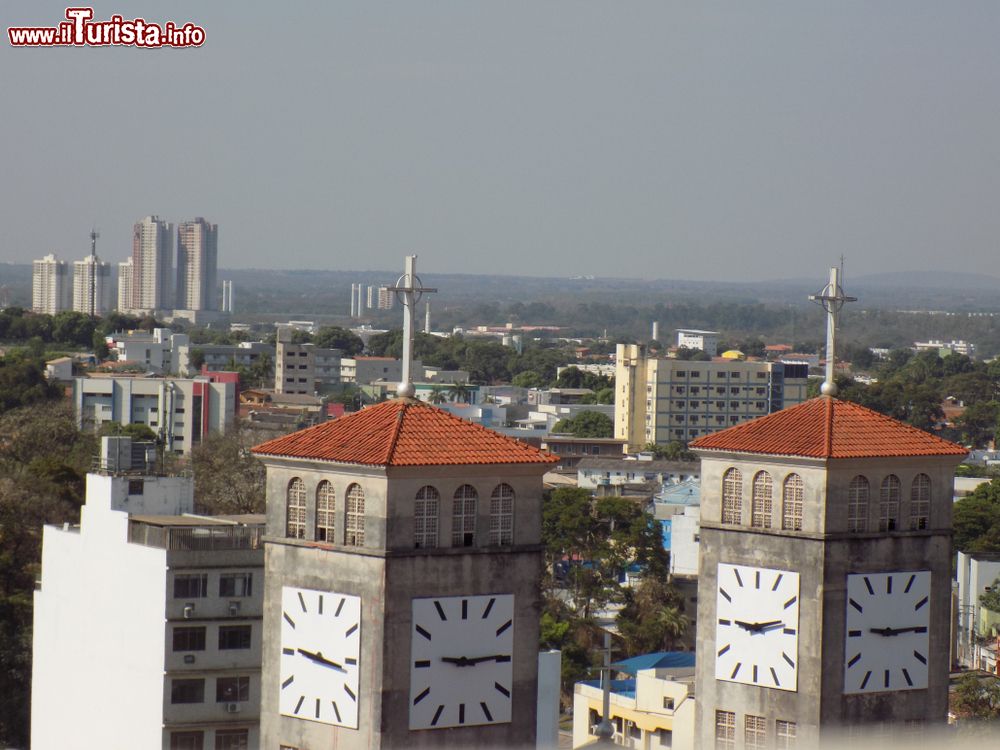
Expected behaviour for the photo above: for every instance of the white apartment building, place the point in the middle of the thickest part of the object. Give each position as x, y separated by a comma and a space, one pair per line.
92, 286
944, 348
180, 410
156, 350
147, 619
51, 292
294, 366
692, 338
152, 265
661, 400
975, 573
365, 370
225, 356
125, 272
197, 265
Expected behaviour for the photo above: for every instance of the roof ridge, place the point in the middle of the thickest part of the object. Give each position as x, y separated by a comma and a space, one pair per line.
396, 430
828, 426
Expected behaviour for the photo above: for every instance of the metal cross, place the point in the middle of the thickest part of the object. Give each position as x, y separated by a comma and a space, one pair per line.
831, 298
409, 289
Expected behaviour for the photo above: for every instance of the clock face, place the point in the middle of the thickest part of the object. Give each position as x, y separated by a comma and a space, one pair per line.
756, 635
320, 647
462, 671
887, 640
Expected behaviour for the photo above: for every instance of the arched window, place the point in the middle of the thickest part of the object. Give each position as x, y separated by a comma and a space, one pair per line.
295, 509
791, 503
761, 501
732, 496
502, 515
857, 504
463, 516
920, 501
888, 504
354, 518
326, 506
425, 517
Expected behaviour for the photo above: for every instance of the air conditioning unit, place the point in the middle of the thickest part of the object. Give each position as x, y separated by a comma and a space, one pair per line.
234, 608
189, 658
188, 610
232, 708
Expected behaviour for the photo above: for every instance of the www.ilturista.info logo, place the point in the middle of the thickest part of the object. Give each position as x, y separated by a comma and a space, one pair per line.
79, 30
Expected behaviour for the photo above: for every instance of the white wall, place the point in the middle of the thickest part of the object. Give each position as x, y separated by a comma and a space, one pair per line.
683, 542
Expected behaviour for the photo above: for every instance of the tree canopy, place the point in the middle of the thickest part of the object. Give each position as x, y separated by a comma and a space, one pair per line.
586, 424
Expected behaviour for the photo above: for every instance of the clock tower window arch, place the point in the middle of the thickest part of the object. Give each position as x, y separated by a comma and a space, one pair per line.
326, 508
888, 503
463, 516
857, 504
354, 518
425, 517
295, 509
920, 501
761, 501
502, 515
791, 503
732, 496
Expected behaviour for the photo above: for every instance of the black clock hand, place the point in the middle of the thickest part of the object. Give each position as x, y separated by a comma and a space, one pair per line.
748, 626
320, 659
757, 627
887, 632
761, 626
458, 661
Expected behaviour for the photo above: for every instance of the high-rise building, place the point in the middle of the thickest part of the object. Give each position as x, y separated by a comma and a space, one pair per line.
50, 286
125, 273
152, 264
386, 298
91, 286
197, 263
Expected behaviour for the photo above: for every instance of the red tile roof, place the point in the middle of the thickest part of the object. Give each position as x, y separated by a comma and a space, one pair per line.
826, 427
403, 432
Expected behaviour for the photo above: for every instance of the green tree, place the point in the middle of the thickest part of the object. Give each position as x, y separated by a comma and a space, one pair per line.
978, 423
675, 450
977, 697
653, 617
335, 337
438, 394
136, 431
196, 359
586, 424
228, 478
528, 379
976, 519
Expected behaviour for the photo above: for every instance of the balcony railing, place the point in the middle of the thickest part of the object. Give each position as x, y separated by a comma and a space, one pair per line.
197, 538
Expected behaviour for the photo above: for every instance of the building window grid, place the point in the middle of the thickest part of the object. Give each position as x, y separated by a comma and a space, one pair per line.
463, 516
190, 585
761, 501
857, 504
725, 730
785, 733
295, 522
354, 522
326, 508
232, 689
732, 496
425, 517
920, 502
502, 515
888, 506
236, 584
232, 739
187, 740
791, 505
754, 732
234, 637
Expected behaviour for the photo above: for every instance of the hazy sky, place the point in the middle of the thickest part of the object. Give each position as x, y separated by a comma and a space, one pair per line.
726, 140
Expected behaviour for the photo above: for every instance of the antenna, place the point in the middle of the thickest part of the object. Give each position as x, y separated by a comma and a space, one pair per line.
94, 234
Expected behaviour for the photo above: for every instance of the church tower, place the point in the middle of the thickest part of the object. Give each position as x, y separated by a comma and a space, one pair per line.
824, 578
402, 561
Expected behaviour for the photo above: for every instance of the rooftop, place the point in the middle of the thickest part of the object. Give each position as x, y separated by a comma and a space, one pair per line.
403, 432
826, 427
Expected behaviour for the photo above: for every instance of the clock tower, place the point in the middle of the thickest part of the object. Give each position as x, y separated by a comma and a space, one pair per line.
402, 567
824, 576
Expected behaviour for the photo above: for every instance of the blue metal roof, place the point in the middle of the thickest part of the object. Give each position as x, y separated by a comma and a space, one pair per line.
624, 688
658, 660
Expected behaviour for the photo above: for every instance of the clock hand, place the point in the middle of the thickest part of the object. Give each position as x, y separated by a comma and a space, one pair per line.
748, 626
758, 627
770, 624
897, 631
320, 659
458, 661
494, 657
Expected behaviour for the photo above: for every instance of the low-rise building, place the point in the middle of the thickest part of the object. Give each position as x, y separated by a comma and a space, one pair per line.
155, 350
365, 370
148, 612
592, 472
692, 338
571, 450
975, 641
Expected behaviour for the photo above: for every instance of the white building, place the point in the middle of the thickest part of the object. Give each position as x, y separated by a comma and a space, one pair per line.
125, 273
594, 471
51, 292
975, 575
365, 370
152, 265
944, 348
197, 265
692, 338
156, 350
294, 365
180, 410
147, 619
92, 286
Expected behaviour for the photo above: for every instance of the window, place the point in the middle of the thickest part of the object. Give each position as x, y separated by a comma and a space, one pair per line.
326, 506
888, 503
135, 486
187, 740
189, 639
354, 521
234, 637
732, 496
784, 734
920, 501
665, 738
760, 503
236, 584
232, 739
857, 504
725, 730
232, 689
668, 703
754, 732
295, 527
190, 586
187, 691
791, 503
502, 515
463, 516
425, 517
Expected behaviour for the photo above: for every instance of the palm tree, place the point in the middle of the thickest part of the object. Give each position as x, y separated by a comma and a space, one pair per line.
460, 392
438, 395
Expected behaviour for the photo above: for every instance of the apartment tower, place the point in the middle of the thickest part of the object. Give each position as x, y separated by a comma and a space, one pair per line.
197, 257
91, 286
152, 263
50, 287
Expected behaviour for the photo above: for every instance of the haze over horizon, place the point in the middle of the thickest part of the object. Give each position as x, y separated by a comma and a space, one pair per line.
649, 140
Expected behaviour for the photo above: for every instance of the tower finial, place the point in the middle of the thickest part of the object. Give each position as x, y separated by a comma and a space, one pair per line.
409, 290
831, 298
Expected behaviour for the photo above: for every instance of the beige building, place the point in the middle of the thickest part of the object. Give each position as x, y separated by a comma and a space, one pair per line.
51, 291
662, 400
92, 286
197, 265
152, 265
125, 285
